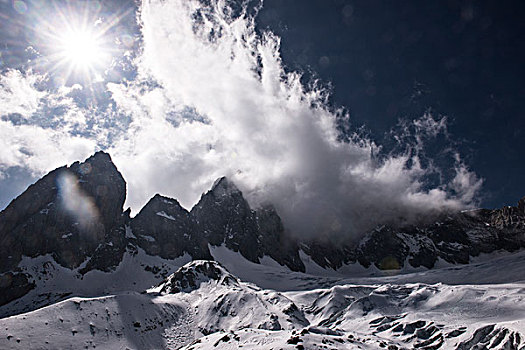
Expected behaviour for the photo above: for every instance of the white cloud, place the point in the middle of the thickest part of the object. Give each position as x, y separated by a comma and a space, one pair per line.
272, 136
40, 150
37, 125
18, 93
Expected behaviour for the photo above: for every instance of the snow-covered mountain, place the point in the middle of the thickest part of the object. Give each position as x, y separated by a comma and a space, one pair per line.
203, 306
77, 271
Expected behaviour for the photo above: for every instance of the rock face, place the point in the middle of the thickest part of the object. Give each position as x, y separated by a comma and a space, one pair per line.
67, 213
275, 241
190, 276
13, 286
70, 213
453, 238
166, 229
223, 216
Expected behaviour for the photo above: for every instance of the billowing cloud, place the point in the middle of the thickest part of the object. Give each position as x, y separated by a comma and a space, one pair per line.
211, 98
18, 93
39, 130
259, 125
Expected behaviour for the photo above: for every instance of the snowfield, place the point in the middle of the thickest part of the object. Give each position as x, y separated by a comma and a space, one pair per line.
234, 303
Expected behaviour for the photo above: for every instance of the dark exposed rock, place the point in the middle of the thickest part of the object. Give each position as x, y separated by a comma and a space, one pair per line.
191, 275
329, 253
275, 241
166, 229
384, 247
67, 213
99, 178
510, 217
224, 217
521, 206
453, 237
272, 324
109, 254
14, 286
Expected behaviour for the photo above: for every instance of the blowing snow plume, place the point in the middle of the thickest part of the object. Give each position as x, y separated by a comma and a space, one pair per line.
212, 99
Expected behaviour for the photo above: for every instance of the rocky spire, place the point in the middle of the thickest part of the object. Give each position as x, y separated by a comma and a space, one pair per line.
163, 227
521, 206
67, 213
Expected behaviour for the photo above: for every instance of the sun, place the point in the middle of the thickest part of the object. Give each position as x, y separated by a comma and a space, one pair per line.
81, 49
76, 42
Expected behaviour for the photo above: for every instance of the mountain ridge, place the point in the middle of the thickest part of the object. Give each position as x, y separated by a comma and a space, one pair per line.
38, 222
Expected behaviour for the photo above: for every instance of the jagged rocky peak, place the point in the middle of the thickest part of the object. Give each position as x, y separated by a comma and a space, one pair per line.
75, 213
223, 196
224, 187
192, 275
165, 207
521, 206
452, 237
163, 227
102, 181
510, 217
67, 213
223, 216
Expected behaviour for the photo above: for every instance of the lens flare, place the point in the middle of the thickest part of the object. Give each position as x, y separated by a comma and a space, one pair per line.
76, 202
20, 6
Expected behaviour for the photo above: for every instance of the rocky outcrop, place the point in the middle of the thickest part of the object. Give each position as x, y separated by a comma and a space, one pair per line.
223, 216
521, 206
192, 275
166, 229
14, 286
510, 217
330, 252
454, 238
68, 214
275, 242
451, 237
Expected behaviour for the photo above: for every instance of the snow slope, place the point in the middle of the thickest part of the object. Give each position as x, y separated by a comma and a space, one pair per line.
137, 272
204, 306
499, 267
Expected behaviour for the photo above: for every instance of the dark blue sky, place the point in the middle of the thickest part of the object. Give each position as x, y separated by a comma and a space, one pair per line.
397, 59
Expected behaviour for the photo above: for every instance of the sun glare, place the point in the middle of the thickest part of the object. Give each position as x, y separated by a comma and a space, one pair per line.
81, 49
77, 42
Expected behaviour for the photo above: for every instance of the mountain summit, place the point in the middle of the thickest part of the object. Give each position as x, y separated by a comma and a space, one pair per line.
67, 213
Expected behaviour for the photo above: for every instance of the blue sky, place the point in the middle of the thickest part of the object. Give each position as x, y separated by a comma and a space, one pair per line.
388, 60
345, 113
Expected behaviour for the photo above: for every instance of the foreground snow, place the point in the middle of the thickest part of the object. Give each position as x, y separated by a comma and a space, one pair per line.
203, 306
